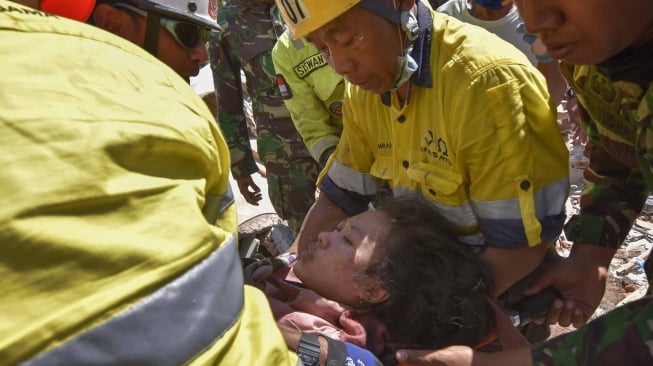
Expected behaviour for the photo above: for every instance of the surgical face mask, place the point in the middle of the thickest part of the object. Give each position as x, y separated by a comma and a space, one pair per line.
490, 4
406, 64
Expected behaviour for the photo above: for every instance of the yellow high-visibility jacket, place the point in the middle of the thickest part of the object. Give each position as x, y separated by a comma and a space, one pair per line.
477, 136
315, 93
117, 224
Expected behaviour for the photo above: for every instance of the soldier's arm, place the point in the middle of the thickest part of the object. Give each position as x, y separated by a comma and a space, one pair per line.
231, 117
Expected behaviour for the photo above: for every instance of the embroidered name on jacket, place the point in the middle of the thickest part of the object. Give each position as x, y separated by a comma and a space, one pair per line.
312, 63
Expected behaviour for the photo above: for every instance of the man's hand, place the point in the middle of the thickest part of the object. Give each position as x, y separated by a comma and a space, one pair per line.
253, 195
259, 272
580, 279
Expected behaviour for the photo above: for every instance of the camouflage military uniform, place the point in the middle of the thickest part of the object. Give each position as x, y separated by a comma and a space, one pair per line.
251, 28
617, 338
617, 116
616, 112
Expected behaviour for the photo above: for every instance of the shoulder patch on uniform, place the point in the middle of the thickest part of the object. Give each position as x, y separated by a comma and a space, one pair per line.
336, 108
284, 89
310, 64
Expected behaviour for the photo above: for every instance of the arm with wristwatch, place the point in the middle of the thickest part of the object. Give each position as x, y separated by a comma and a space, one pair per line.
315, 349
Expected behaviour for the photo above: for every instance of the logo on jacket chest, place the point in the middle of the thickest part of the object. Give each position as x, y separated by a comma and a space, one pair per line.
435, 147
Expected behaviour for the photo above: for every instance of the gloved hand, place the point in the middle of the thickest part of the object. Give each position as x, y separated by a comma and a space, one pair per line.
537, 47
258, 272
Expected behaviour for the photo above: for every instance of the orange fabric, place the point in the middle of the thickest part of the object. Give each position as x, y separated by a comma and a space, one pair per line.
74, 9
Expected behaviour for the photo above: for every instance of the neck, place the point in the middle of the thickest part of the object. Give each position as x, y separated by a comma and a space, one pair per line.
482, 13
402, 92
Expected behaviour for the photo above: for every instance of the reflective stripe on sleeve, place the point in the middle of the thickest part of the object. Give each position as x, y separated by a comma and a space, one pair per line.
323, 144
169, 327
216, 205
352, 180
548, 201
462, 216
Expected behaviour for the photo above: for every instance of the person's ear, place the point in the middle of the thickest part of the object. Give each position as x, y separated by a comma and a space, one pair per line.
375, 294
109, 18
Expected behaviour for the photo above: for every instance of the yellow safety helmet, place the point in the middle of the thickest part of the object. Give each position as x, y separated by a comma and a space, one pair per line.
304, 16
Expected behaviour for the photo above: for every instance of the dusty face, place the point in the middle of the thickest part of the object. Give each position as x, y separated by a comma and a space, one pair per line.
131, 26
588, 31
185, 62
330, 265
362, 47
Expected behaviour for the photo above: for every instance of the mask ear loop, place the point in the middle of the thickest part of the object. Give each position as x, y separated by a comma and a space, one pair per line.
409, 25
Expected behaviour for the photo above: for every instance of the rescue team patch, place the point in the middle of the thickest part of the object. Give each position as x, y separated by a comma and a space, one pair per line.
312, 63
296, 10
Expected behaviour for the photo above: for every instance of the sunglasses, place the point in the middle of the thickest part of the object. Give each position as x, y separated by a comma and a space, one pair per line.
188, 35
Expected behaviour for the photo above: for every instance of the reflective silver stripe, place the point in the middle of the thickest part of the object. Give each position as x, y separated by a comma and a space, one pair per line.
462, 215
353, 180
215, 206
473, 239
548, 201
322, 144
169, 327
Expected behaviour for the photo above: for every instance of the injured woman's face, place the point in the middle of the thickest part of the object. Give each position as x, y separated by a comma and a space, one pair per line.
332, 265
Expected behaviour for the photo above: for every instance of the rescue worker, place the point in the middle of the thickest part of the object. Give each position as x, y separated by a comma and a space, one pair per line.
444, 112
119, 227
251, 29
605, 49
313, 94
182, 45
117, 217
611, 74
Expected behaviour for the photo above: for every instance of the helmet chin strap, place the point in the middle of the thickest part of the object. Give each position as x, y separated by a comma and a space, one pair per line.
152, 33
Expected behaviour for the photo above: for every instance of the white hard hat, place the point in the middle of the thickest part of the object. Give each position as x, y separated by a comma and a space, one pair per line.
196, 11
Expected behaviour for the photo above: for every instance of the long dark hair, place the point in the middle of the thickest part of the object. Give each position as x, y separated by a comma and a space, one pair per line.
438, 287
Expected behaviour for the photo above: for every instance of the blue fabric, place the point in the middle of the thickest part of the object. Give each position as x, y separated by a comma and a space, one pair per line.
359, 356
351, 203
511, 232
490, 4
